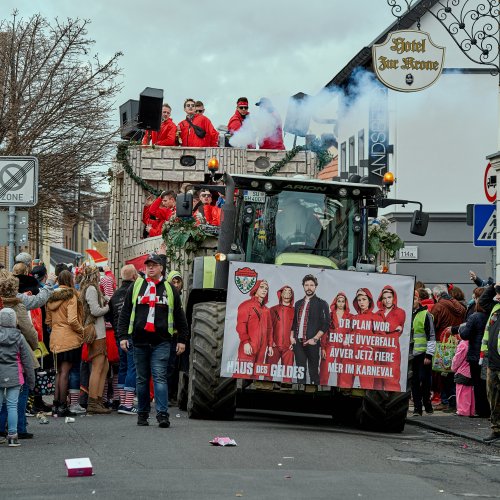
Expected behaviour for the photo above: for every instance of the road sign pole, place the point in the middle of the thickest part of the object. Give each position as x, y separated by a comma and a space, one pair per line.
12, 236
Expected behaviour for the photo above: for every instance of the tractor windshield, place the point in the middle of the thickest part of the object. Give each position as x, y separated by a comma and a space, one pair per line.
297, 222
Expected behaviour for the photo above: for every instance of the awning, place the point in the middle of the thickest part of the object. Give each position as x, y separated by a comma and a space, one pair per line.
60, 255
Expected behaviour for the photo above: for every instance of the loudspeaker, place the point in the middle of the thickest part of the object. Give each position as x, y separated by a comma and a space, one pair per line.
150, 103
128, 120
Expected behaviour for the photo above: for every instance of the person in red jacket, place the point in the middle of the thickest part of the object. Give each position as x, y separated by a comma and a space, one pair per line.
207, 213
196, 131
272, 129
282, 319
162, 208
238, 119
339, 327
363, 328
166, 135
394, 317
254, 327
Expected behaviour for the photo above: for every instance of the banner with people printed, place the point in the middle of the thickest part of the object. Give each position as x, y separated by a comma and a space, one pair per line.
317, 326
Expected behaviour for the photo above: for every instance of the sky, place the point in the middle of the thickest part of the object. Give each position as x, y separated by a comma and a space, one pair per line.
217, 51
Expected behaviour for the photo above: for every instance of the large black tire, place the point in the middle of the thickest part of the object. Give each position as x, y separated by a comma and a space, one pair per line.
209, 395
384, 411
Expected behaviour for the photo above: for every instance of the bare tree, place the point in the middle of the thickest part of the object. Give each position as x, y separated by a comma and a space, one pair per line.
56, 103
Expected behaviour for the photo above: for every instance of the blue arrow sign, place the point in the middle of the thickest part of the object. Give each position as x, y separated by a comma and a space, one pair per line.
485, 226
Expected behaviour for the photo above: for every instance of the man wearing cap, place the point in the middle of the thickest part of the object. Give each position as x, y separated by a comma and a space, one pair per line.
271, 131
240, 118
152, 310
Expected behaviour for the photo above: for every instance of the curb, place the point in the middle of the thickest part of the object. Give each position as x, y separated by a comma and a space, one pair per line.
445, 430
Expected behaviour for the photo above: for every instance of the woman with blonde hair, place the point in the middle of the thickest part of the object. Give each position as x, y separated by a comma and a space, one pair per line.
65, 318
94, 308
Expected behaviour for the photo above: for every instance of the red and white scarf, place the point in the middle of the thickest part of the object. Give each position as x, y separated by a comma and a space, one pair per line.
150, 298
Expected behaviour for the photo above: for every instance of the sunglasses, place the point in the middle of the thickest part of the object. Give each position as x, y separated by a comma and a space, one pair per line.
200, 111
242, 107
205, 195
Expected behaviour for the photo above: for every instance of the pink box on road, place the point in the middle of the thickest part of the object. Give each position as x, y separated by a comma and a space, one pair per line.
78, 467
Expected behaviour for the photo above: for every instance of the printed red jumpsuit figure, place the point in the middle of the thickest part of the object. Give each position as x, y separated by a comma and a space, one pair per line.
389, 311
339, 313
282, 319
254, 327
364, 352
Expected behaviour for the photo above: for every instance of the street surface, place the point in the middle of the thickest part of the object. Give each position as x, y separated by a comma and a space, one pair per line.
278, 456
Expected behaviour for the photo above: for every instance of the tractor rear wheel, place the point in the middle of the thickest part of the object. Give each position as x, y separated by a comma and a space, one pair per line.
209, 395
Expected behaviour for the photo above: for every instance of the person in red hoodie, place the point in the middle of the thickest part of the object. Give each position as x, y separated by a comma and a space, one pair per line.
273, 133
254, 327
282, 319
425, 298
339, 326
205, 212
196, 131
238, 119
168, 129
363, 327
394, 317
162, 209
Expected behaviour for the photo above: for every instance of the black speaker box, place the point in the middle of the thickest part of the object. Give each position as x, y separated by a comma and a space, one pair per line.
128, 120
150, 103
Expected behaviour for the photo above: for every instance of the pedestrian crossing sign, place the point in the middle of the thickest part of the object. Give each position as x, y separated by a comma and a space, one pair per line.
485, 225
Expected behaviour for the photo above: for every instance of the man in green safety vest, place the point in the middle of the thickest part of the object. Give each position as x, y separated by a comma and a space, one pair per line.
424, 346
152, 310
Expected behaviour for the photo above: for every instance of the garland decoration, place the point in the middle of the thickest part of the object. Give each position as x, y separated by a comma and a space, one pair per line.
279, 165
379, 238
122, 155
182, 237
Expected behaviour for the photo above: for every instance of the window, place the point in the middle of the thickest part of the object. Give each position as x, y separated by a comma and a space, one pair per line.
361, 145
343, 159
352, 156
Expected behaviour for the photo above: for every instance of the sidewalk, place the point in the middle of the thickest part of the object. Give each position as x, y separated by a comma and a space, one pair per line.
475, 429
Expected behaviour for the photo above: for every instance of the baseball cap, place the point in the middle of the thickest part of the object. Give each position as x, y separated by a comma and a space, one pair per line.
39, 272
154, 257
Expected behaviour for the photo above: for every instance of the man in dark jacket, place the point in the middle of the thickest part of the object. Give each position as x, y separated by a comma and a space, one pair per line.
151, 311
310, 322
126, 372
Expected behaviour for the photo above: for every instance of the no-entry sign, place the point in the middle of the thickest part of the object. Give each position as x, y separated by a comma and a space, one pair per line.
490, 184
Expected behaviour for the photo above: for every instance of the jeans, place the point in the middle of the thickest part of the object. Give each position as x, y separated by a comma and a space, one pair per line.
11, 409
152, 360
126, 372
74, 377
307, 356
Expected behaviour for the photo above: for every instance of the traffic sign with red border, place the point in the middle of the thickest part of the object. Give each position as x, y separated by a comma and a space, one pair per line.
490, 184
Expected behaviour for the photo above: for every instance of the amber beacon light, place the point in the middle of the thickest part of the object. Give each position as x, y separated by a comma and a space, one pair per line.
213, 164
388, 179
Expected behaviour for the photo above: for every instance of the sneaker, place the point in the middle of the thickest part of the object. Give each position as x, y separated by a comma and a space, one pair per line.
127, 410
142, 419
428, 408
163, 420
30, 412
64, 411
77, 409
492, 437
417, 413
3, 440
25, 435
13, 440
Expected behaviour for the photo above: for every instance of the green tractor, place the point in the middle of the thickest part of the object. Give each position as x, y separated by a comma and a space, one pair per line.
290, 222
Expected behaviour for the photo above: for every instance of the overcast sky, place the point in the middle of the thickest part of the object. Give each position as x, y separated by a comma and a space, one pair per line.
217, 51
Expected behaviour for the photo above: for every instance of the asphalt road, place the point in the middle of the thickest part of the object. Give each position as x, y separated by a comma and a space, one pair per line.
278, 456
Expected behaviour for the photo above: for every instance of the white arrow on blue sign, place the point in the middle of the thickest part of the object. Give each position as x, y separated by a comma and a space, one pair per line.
485, 225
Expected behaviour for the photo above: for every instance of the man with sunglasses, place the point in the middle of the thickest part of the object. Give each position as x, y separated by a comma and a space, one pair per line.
199, 108
205, 211
236, 121
196, 131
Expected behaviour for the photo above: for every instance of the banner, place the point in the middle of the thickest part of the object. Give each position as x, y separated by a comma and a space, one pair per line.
317, 326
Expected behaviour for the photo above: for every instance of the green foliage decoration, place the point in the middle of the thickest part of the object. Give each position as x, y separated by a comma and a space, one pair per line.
122, 155
380, 238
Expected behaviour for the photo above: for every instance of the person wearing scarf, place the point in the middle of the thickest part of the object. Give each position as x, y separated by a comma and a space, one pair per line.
152, 310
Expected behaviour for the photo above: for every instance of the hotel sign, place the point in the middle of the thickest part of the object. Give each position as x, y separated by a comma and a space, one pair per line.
408, 61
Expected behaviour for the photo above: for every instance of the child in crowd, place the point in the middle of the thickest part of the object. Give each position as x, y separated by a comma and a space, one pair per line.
16, 367
465, 390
